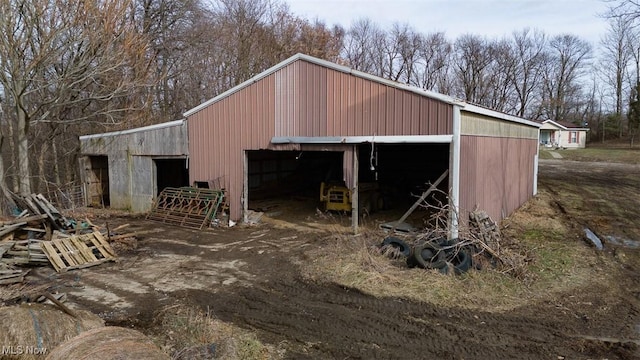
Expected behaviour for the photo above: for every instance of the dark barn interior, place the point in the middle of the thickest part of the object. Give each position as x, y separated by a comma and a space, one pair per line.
391, 176
171, 173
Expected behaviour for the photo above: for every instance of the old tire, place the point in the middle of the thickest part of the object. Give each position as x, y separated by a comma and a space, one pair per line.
460, 262
411, 261
446, 242
429, 256
464, 261
397, 243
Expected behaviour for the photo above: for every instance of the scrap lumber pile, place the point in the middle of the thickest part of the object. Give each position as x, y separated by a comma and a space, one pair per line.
41, 235
187, 207
486, 230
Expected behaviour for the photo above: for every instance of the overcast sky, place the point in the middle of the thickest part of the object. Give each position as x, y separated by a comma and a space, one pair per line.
493, 18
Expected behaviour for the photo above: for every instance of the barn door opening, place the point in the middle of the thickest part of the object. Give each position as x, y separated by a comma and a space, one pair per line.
171, 173
287, 184
98, 181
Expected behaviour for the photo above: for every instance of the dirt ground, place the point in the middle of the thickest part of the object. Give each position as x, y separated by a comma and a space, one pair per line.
251, 277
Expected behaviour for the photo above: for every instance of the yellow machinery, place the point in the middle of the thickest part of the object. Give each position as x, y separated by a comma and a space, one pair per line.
338, 197
335, 197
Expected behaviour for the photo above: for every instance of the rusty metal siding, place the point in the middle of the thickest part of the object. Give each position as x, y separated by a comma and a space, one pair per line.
496, 174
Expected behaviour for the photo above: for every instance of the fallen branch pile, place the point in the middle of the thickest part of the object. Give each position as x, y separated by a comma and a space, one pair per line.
475, 245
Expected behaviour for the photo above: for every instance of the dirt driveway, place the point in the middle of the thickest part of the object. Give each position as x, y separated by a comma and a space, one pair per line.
251, 276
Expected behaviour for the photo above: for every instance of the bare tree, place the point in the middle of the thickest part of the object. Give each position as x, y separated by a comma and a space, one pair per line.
568, 59
359, 45
623, 8
614, 62
529, 52
431, 68
67, 61
472, 59
500, 93
634, 113
169, 26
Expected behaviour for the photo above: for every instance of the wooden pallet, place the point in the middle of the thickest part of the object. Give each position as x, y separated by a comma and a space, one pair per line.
77, 252
188, 207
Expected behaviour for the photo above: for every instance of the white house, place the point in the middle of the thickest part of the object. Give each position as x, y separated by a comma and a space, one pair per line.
562, 134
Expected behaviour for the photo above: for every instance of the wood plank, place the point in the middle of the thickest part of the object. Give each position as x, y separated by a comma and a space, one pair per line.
12, 281
61, 248
33, 229
15, 273
86, 265
11, 228
24, 219
32, 207
136, 233
44, 209
103, 244
52, 209
53, 256
4, 247
59, 235
59, 217
84, 250
121, 227
73, 251
10, 272
14, 261
7, 237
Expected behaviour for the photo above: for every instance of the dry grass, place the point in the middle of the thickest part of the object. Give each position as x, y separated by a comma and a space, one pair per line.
552, 260
620, 154
187, 333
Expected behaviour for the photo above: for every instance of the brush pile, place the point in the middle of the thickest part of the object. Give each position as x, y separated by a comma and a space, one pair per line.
475, 247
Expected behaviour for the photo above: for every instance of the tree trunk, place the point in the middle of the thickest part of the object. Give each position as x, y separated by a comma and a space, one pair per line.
6, 194
42, 177
24, 179
13, 146
56, 165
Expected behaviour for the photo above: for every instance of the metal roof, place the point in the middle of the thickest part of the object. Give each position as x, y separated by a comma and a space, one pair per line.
360, 74
135, 130
405, 139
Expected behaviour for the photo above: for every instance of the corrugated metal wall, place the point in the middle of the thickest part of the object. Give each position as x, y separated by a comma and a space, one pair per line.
170, 140
219, 133
302, 99
497, 171
316, 101
130, 161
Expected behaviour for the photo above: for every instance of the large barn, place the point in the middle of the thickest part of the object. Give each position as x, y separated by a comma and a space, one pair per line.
306, 121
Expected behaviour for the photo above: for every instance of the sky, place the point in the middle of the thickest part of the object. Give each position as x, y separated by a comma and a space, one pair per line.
491, 18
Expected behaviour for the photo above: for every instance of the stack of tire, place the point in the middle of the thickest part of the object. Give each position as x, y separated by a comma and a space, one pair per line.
447, 256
